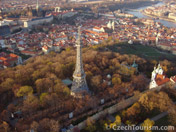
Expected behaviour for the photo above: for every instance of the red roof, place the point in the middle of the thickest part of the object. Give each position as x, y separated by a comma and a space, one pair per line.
98, 28
13, 55
45, 47
165, 44
174, 44
3, 58
160, 79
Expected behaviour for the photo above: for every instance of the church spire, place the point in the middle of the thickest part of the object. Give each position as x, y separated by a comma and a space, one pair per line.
79, 85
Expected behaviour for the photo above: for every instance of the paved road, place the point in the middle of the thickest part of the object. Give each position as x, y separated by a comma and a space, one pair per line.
159, 116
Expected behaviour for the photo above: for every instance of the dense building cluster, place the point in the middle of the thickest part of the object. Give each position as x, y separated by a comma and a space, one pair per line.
94, 31
165, 11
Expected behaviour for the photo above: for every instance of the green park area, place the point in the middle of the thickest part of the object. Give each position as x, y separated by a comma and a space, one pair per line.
143, 51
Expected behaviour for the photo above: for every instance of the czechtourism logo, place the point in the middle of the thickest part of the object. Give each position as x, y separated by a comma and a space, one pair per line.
136, 128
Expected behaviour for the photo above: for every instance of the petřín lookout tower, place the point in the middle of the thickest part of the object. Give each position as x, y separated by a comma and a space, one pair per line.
79, 85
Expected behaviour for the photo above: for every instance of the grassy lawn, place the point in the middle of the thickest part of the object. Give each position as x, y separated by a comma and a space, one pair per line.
146, 52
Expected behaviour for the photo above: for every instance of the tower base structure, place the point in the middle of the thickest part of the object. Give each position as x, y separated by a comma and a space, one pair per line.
81, 94
79, 87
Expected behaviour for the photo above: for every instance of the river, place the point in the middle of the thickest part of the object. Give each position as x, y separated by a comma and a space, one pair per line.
140, 15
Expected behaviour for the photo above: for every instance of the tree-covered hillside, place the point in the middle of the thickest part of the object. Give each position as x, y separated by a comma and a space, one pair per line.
36, 88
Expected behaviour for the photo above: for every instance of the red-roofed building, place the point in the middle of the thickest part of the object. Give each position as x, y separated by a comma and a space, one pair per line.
98, 29
165, 46
159, 79
45, 49
174, 51
9, 60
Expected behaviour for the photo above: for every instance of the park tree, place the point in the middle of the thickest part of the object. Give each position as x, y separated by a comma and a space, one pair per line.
92, 102
34, 126
44, 84
90, 125
118, 120
165, 63
61, 89
66, 91
79, 105
135, 113
46, 100
7, 84
88, 77
148, 125
6, 126
24, 91
134, 110
68, 69
30, 104
172, 115
48, 125
139, 82
96, 82
124, 70
23, 76
54, 126
11, 107
5, 115
164, 102
89, 56
112, 92
59, 71
54, 100
36, 74
15, 88
137, 93
170, 91
153, 100
145, 101
42, 97
116, 80
153, 62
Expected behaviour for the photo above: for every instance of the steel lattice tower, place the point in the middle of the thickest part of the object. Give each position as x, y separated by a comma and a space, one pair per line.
79, 85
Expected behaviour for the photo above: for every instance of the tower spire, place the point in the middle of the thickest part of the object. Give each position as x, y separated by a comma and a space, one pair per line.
79, 36
37, 6
79, 85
